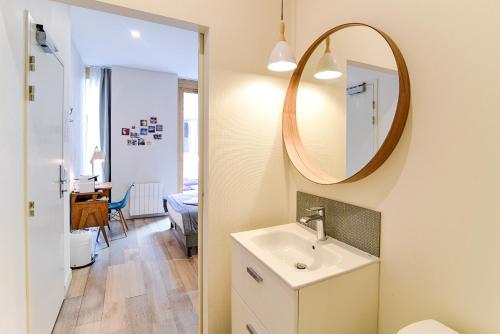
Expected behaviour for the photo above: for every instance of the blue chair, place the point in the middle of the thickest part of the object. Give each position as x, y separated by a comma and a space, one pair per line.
117, 208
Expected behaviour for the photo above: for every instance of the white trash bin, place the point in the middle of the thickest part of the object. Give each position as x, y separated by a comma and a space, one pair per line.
81, 248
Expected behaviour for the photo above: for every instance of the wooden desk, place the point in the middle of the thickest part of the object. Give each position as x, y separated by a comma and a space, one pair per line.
87, 210
105, 187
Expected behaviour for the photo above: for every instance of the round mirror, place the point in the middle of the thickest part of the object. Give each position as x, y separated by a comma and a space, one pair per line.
346, 104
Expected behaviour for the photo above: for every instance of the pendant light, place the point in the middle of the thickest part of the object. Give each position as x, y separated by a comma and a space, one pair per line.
282, 58
327, 66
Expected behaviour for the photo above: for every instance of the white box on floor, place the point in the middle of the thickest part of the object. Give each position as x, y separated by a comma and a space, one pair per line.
81, 248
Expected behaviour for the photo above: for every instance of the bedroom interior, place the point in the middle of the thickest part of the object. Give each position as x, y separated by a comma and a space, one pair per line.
135, 118
249, 167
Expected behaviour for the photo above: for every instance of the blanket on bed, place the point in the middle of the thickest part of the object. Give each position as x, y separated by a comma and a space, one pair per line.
189, 212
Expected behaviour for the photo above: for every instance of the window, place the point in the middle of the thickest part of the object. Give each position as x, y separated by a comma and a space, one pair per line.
96, 121
188, 108
91, 120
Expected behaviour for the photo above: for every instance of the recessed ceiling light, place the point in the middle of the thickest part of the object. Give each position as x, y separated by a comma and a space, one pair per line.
135, 34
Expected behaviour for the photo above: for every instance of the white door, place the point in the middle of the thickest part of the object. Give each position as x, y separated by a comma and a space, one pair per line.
44, 169
361, 128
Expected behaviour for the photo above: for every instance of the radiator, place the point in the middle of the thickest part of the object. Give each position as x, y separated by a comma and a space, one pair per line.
146, 199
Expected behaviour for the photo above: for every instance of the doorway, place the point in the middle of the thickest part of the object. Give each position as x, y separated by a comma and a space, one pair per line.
141, 276
371, 100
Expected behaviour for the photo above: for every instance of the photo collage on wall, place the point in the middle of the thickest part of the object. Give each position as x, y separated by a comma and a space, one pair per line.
147, 132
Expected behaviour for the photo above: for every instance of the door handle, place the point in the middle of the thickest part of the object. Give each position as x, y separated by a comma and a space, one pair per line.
251, 329
62, 181
254, 274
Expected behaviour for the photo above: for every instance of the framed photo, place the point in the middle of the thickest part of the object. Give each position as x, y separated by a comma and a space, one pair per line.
152, 129
144, 132
134, 134
125, 131
129, 142
157, 136
153, 120
141, 142
144, 122
159, 127
134, 142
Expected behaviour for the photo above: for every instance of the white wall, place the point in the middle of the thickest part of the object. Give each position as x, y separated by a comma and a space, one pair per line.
438, 192
325, 140
12, 238
74, 133
136, 95
73, 143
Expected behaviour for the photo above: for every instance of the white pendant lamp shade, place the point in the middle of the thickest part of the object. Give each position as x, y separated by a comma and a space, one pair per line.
282, 58
327, 66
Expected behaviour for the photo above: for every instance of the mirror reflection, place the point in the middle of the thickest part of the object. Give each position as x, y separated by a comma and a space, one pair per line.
347, 99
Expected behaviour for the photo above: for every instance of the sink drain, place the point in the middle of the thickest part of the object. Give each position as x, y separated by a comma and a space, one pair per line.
300, 266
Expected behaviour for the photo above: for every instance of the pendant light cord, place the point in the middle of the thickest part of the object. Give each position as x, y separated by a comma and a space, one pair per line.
281, 10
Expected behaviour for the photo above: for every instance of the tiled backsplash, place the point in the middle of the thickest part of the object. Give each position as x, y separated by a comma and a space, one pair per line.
353, 225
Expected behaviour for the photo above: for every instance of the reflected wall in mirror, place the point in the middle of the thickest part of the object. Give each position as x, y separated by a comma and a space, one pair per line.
346, 104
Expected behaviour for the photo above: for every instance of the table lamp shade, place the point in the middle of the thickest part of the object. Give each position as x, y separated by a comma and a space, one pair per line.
98, 155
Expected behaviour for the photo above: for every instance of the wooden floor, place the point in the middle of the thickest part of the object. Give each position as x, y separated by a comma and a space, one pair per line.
140, 284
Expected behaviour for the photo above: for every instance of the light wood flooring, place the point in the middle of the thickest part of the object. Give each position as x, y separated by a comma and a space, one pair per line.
140, 284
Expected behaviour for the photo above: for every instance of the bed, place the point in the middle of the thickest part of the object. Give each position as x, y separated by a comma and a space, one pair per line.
183, 211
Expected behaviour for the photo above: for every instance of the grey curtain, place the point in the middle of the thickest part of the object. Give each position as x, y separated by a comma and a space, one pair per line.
105, 121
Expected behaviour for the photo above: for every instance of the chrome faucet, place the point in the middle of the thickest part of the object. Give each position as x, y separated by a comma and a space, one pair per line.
318, 216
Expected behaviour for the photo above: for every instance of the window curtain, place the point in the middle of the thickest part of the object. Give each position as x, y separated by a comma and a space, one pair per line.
105, 121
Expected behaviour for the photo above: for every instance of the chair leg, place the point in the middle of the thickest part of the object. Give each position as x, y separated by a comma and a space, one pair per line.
104, 234
123, 221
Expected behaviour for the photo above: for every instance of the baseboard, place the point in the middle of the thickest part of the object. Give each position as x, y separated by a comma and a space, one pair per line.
164, 214
67, 282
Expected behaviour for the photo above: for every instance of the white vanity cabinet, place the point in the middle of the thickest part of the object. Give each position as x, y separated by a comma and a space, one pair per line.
263, 302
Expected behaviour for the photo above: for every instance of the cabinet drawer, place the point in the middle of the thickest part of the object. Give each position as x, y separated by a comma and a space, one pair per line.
243, 320
268, 297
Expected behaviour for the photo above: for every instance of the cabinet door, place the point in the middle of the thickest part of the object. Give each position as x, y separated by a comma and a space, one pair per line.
273, 302
243, 320
344, 304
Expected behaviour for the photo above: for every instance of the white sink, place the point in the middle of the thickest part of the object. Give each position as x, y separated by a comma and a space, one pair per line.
294, 254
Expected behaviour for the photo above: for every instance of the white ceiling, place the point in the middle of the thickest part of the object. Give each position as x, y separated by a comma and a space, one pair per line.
104, 40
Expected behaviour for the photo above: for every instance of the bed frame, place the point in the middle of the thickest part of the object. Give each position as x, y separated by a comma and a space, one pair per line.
189, 242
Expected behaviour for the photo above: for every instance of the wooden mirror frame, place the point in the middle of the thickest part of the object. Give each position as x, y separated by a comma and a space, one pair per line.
294, 146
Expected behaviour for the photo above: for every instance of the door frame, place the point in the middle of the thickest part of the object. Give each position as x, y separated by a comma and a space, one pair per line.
203, 117
29, 21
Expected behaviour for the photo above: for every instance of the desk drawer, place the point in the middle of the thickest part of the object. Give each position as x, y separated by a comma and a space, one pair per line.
268, 297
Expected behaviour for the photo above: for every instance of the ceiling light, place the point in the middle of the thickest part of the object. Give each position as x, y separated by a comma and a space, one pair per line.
282, 58
135, 34
327, 66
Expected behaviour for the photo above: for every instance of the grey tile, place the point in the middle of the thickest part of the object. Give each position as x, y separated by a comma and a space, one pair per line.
353, 225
